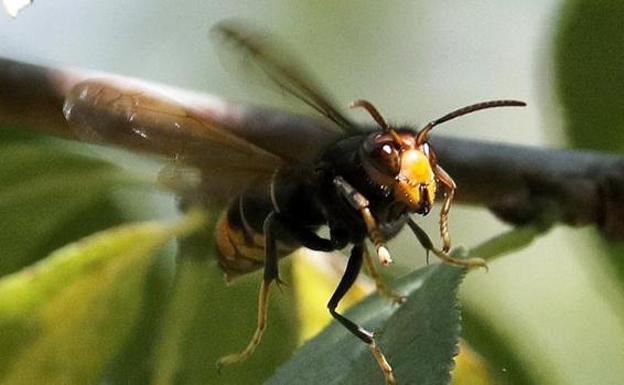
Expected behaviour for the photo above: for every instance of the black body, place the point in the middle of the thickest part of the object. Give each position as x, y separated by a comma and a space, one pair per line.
305, 198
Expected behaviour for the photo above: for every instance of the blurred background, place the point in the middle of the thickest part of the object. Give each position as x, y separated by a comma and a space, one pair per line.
556, 307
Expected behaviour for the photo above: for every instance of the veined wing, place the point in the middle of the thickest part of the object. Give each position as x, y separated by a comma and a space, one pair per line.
110, 112
227, 145
280, 68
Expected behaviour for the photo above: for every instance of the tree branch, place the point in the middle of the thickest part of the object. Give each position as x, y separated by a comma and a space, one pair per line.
522, 185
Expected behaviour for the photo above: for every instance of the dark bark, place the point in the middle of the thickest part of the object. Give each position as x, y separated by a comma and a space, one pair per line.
519, 184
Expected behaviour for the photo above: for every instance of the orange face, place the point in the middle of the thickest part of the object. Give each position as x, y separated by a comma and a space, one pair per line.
398, 162
415, 184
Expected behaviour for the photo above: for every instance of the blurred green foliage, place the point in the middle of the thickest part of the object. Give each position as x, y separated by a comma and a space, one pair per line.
589, 63
48, 197
500, 356
67, 316
589, 69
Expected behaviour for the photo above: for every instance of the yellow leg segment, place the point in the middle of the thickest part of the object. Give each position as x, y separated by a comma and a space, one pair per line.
379, 283
263, 302
444, 213
449, 192
469, 263
383, 364
376, 236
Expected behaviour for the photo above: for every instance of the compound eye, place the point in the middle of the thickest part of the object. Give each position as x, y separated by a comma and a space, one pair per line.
386, 159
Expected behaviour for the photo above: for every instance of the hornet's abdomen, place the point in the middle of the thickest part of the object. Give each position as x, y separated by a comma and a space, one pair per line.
238, 252
239, 230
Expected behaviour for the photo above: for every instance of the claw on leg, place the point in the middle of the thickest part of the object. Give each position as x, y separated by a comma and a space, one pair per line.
425, 241
468, 262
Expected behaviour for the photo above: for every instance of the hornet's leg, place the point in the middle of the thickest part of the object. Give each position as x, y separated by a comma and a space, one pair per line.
449, 192
426, 243
275, 225
353, 268
360, 203
379, 282
271, 273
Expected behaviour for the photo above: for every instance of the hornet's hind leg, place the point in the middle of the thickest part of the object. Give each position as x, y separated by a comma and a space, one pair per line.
276, 225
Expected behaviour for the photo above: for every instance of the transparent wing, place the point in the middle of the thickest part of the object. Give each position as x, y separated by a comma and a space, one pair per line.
221, 145
272, 61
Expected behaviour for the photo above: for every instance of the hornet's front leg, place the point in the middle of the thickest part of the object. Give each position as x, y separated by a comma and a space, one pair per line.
449, 192
426, 243
361, 204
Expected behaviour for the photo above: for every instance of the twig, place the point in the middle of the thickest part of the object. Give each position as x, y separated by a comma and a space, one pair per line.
526, 185
522, 185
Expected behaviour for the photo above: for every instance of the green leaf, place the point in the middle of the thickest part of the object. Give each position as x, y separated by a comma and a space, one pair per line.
135, 362
419, 338
63, 319
46, 199
207, 319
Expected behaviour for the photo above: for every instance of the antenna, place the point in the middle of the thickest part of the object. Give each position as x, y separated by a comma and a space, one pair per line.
422, 134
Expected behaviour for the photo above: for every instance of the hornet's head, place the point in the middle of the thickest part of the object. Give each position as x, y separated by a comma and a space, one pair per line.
404, 161
396, 160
